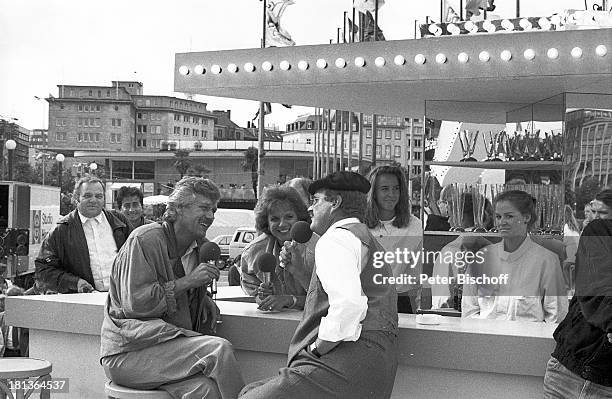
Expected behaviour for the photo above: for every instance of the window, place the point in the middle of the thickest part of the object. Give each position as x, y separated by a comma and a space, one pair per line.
368, 133
368, 150
156, 129
116, 108
398, 134
387, 134
61, 106
141, 142
195, 132
185, 131
107, 93
142, 129
115, 138
177, 117
379, 134
185, 118
378, 150
416, 142
417, 155
79, 137
97, 122
407, 155
99, 93
416, 120
308, 141
86, 108
205, 133
139, 115
60, 136
387, 151
147, 102
398, 151
71, 93
177, 130
91, 92
80, 107
116, 122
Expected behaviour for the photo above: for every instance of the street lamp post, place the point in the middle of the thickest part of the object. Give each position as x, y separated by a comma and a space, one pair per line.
60, 160
92, 168
10, 146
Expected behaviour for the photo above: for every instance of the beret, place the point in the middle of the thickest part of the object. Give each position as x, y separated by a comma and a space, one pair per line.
348, 181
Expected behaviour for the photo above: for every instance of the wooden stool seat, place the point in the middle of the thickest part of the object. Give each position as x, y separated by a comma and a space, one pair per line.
23, 368
115, 391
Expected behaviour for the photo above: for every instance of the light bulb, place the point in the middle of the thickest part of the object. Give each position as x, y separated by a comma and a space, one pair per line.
440, 58
321, 63
506, 55
199, 70
601, 50
419, 59
525, 24
216, 69
489, 26
266, 66
359, 61
340, 63
302, 65
463, 58
507, 25
399, 60
233, 68
552, 53
183, 70
379, 62
576, 52
249, 67
484, 56
529, 54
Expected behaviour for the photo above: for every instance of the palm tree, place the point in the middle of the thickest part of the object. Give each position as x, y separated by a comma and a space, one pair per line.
199, 170
182, 163
249, 163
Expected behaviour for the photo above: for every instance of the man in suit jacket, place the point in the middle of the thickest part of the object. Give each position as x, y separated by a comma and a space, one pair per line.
78, 254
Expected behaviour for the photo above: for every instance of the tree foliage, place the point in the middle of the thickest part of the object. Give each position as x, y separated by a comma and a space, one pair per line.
182, 162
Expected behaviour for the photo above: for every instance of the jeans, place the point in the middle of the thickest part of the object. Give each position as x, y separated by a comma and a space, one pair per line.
560, 383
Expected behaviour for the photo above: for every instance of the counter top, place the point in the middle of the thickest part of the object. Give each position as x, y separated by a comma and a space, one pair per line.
509, 347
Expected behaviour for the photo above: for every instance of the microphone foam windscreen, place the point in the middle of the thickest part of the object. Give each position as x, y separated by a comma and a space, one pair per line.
209, 251
265, 262
300, 232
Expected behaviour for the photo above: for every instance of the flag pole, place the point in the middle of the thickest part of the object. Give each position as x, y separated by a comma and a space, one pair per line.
260, 138
352, 28
327, 168
314, 149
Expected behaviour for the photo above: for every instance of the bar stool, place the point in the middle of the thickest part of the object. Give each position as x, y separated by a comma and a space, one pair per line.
114, 391
18, 370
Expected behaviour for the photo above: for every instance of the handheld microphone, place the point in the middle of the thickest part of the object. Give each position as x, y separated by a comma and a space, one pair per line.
266, 263
300, 233
207, 252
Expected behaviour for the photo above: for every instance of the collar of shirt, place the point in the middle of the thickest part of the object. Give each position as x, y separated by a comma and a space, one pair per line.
520, 251
85, 218
344, 222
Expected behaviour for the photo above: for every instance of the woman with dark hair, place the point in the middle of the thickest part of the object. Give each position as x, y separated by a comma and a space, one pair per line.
534, 289
278, 209
395, 228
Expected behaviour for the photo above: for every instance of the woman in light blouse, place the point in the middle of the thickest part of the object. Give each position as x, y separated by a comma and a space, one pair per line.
390, 222
535, 288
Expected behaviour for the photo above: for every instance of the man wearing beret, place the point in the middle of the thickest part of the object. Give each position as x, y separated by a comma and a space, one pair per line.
346, 344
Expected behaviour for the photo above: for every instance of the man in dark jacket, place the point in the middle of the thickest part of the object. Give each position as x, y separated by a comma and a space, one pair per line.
581, 365
78, 254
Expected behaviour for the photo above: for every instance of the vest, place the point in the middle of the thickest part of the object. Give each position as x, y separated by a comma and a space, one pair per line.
382, 298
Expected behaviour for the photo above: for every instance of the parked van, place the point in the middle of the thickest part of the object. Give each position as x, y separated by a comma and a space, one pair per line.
242, 236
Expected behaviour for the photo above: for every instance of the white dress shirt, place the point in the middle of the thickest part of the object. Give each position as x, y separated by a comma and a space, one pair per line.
410, 238
535, 290
102, 249
338, 267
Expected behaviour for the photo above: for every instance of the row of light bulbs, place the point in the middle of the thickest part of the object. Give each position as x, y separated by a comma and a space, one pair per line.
483, 56
524, 23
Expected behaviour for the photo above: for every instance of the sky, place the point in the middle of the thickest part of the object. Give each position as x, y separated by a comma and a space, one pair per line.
44, 43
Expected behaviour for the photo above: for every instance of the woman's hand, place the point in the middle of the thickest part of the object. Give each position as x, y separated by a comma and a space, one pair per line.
276, 302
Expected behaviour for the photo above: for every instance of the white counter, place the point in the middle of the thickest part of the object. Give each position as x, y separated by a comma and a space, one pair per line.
455, 359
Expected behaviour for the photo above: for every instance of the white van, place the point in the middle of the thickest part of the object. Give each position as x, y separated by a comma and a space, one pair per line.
242, 236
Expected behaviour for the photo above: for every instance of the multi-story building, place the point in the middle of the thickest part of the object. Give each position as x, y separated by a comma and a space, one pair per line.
39, 138
21, 136
225, 128
120, 118
393, 137
588, 146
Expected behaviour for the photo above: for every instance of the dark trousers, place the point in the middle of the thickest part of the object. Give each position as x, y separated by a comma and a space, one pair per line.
362, 369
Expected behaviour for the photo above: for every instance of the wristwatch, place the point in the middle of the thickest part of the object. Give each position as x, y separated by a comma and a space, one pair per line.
313, 349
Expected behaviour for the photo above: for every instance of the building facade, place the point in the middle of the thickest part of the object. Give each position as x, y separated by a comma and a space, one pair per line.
398, 139
120, 118
39, 138
588, 146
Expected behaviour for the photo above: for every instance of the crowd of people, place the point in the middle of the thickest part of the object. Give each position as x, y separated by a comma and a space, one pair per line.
346, 343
